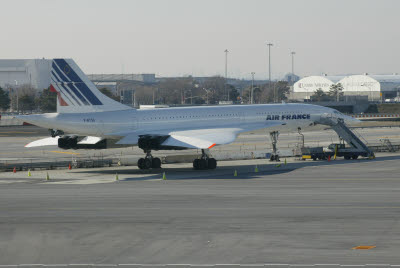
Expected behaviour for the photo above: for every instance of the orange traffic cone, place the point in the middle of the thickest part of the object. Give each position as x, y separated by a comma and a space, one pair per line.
14, 170
329, 158
69, 166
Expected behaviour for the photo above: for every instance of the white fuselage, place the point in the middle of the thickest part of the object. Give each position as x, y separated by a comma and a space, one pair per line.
115, 123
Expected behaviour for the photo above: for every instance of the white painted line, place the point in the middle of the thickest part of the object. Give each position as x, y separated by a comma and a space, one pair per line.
178, 264
203, 265
252, 265
200, 265
153, 265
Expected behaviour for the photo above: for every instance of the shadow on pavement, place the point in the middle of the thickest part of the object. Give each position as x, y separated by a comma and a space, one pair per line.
227, 172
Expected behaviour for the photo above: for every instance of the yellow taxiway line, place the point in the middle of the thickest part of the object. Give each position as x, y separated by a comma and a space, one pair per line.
59, 152
18, 132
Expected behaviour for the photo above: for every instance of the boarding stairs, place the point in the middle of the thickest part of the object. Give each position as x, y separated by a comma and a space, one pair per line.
388, 144
344, 132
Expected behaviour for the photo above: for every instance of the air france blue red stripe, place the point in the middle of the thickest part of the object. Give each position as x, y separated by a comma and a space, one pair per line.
69, 93
76, 92
77, 84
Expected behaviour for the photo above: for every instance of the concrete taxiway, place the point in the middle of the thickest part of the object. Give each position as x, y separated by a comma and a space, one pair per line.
299, 213
13, 139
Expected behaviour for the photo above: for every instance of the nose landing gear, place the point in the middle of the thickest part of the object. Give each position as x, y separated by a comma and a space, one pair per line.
205, 162
149, 161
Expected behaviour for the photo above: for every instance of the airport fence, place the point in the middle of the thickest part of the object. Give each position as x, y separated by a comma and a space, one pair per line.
48, 165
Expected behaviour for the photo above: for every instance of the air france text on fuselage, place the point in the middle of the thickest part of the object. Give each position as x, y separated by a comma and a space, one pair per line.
288, 117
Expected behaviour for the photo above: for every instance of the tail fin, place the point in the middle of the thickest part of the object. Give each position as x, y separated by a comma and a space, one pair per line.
76, 93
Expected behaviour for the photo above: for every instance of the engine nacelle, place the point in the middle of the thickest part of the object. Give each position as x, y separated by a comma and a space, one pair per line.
154, 142
68, 142
71, 142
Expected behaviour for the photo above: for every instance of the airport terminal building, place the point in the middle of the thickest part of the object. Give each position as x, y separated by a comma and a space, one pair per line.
375, 87
35, 73
18, 72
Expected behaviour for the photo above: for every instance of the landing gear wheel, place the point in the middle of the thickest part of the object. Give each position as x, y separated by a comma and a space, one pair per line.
274, 158
212, 163
203, 164
196, 164
355, 157
140, 163
147, 163
156, 163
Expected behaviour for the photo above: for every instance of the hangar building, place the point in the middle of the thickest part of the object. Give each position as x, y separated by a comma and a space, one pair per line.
34, 72
375, 87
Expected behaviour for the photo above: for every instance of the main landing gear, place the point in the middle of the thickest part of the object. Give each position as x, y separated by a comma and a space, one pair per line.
274, 140
149, 161
205, 162
55, 132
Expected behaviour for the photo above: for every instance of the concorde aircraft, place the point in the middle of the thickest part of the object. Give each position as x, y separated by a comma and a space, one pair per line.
98, 122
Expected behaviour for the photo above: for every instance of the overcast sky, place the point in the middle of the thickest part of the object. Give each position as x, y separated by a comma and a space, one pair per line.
188, 37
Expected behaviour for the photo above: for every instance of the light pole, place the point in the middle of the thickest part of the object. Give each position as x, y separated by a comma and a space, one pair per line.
207, 91
226, 72
16, 88
252, 87
292, 53
269, 67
